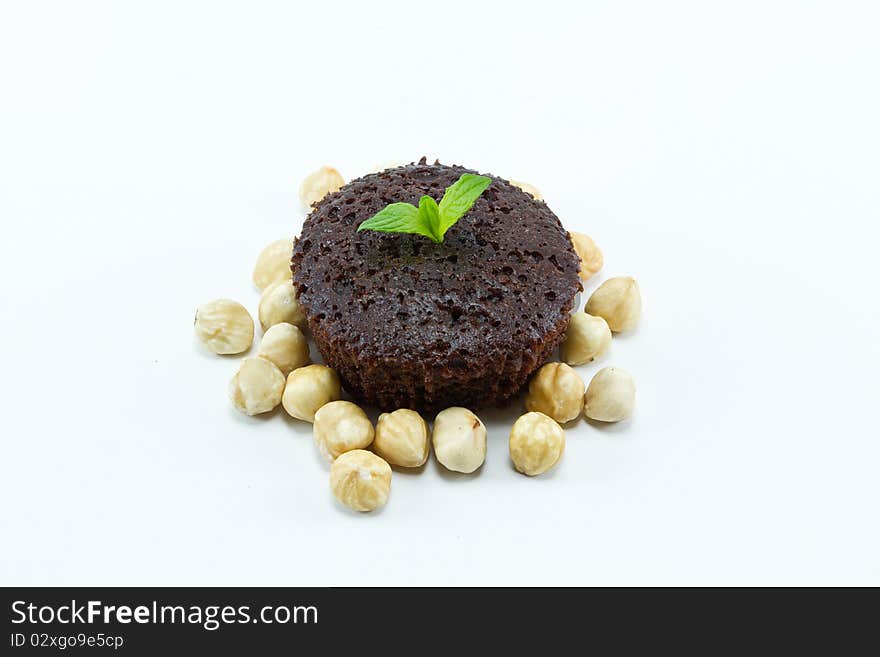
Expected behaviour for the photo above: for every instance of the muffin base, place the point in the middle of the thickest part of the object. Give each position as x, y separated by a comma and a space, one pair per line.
430, 387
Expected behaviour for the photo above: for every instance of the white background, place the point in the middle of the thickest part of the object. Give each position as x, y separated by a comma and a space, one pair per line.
726, 154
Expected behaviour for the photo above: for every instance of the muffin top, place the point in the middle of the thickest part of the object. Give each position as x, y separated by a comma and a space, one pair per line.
502, 278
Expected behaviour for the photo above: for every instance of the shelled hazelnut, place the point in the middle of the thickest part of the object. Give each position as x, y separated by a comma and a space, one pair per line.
286, 346
611, 395
531, 190
256, 387
279, 304
389, 164
273, 264
308, 389
459, 439
587, 338
224, 326
402, 438
588, 252
360, 480
557, 391
340, 427
618, 301
318, 184
536, 443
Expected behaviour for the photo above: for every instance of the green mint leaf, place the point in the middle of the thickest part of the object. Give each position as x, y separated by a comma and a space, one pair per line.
399, 218
430, 219
431, 215
459, 198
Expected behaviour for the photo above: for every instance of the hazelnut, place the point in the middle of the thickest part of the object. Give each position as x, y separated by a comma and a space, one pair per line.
536, 443
390, 164
588, 252
224, 326
587, 338
273, 264
556, 390
308, 389
278, 304
318, 184
402, 438
618, 301
531, 190
360, 480
256, 387
459, 440
286, 346
340, 427
611, 395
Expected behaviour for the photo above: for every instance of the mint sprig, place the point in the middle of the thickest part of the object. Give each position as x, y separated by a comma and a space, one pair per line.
430, 219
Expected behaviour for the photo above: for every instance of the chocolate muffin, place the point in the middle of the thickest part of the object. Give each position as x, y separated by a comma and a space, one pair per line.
408, 323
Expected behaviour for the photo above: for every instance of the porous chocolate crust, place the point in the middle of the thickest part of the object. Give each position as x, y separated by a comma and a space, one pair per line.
408, 323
